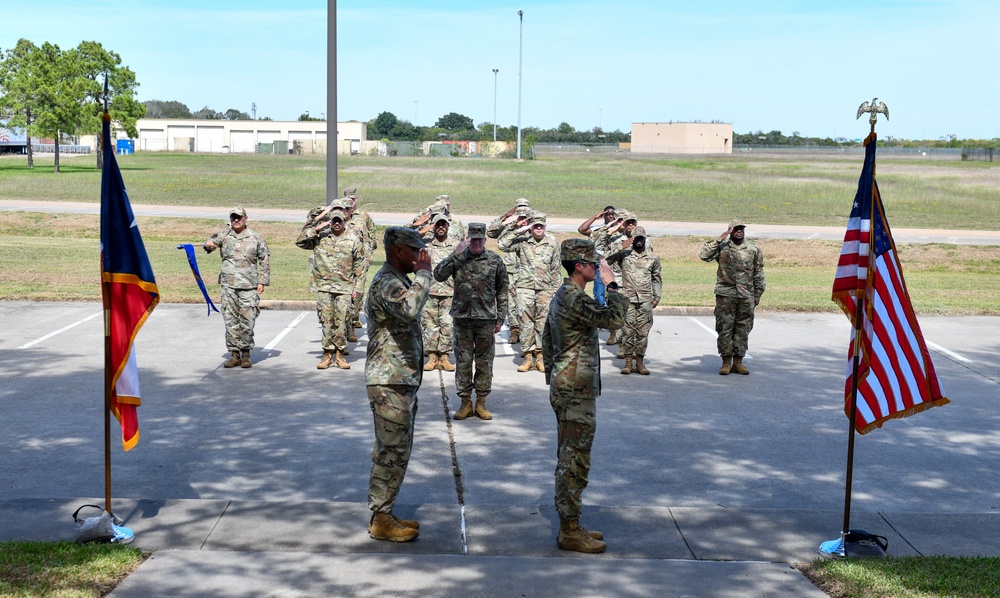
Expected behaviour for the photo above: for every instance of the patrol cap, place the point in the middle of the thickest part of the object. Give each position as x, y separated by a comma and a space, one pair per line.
578, 250
477, 230
734, 223
398, 235
626, 216
342, 203
438, 217
536, 217
443, 197
638, 232
238, 211
351, 192
337, 213
522, 202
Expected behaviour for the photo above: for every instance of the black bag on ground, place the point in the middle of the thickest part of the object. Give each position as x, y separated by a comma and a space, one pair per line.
859, 543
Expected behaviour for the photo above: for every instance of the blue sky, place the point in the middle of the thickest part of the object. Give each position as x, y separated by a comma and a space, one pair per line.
791, 65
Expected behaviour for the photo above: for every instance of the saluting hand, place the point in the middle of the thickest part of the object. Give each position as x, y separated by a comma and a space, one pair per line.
423, 261
723, 236
461, 247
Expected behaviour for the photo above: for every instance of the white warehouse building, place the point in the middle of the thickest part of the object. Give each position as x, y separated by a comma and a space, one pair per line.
244, 136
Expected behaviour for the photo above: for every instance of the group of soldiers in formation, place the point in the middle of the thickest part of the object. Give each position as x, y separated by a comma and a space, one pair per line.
457, 301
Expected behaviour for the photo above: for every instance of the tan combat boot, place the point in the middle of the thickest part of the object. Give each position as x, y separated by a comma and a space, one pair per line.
621, 352
340, 361
640, 367
352, 337
515, 336
738, 366
233, 361
628, 365
245, 360
432, 362
727, 364
575, 538
612, 338
357, 323
464, 410
539, 362
528, 364
444, 364
383, 526
481, 411
410, 523
327, 360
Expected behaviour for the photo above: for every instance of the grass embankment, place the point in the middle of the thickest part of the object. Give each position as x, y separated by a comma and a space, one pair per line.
63, 568
50, 257
907, 577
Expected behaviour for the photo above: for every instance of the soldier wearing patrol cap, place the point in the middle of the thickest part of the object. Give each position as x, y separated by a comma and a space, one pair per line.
612, 238
479, 308
739, 283
437, 321
363, 226
336, 264
501, 227
246, 270
573, 372
442, 204
642, 282
537, 280
393, 372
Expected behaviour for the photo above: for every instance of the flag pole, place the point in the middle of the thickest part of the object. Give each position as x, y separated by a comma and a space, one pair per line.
108, 373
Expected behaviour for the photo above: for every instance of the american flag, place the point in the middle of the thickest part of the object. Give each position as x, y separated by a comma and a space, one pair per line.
896, 377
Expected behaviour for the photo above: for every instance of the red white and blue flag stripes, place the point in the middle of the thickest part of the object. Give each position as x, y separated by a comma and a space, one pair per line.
896, 377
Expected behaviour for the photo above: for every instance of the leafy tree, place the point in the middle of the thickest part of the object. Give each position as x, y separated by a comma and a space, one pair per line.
208, 113
305, 117
382, 125
21, 96
454, 121
60, 90
170, 109
565, 128
234, 114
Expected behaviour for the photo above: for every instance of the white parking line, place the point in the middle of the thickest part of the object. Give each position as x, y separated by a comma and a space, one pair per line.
941, 349
281, 335
715, 334
51, 334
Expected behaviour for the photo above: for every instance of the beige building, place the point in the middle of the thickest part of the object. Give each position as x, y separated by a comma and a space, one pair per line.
244, 136
682, 138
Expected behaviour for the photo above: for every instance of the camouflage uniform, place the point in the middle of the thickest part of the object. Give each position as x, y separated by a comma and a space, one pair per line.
363, 225
245, 264
573, 372
538, 266
739, 285
497, 230
641, 282
456, 230
335, 266
393, 372
480, 304
437, 317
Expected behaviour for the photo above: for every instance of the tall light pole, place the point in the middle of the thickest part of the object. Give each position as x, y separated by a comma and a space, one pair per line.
414, 113
495, 71
520, 51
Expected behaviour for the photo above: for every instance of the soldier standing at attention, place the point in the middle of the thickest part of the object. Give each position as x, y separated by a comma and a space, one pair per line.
479, 308
245, 272
437, 318
503, 226
364, 226
739, 283
573, 373
641, 283
537, 280
334, 268
393, 373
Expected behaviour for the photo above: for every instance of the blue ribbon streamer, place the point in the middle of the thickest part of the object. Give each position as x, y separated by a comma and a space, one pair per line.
193, 262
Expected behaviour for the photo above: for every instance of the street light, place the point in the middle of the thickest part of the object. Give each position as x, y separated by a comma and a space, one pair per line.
495, 71
414, 113
520, 51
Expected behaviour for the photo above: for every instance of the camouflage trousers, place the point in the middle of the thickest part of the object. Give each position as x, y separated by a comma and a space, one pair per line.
638, 323
513, 313
239, 312
733, 322
394, 408
534, 308
474, 345
357, 304
576, 421
333, 310
436, 321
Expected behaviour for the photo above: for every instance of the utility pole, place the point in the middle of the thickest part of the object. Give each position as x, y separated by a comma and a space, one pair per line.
495, 71
520, 53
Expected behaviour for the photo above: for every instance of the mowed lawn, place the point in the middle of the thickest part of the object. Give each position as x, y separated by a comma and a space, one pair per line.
55, 257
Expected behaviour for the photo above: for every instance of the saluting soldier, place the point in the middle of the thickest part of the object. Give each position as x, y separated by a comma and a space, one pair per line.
503, 226
246, 270
421, 222
393, 372
437, 322
739, 283
573, 372
479, 308
642, 283
363, 224
609, 239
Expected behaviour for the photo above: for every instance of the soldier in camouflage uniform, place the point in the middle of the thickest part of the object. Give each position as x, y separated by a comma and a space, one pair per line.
573, 372
503, 226
437, 318
479, 308
335, 266
738, 287
421, 222
609, 239
393, 372
246, 270
642, 283
537, 280
363, 225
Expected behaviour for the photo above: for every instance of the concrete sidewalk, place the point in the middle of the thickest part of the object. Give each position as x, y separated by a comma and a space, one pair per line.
253, 482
